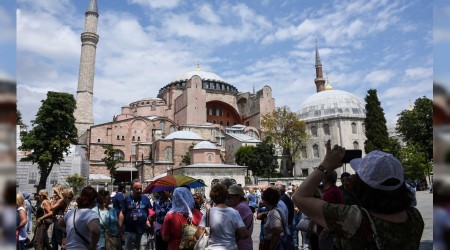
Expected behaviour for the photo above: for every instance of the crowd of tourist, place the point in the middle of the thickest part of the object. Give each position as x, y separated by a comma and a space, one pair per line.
372, 209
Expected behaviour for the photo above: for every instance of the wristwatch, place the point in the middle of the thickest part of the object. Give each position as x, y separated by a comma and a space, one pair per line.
321, 168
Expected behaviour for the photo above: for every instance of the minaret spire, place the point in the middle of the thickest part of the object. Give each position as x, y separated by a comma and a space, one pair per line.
84, 118
319, 81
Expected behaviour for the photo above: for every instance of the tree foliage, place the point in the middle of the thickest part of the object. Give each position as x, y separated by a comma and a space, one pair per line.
76, 182
287, 130
52, 134
415, 164
265, 162
111, 160
375, 124
19, 118
186, 158
416, 126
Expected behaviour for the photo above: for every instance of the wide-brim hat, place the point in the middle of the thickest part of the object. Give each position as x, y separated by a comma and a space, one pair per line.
376, 168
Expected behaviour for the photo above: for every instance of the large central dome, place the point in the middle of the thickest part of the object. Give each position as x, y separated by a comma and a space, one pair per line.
204, 75
331, 103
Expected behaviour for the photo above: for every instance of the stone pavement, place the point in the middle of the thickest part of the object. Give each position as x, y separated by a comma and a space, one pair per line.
424, 204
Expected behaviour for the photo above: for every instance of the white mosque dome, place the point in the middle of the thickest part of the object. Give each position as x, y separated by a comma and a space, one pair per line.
204, 75
184, 135
331, 103
205, 145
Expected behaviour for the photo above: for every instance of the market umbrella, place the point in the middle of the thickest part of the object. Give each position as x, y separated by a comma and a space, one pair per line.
169, 182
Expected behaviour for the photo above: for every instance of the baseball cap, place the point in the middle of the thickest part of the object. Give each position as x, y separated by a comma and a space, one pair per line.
236, 189
377, 167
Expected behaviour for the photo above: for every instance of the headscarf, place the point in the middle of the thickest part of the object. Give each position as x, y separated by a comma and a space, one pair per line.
182, 201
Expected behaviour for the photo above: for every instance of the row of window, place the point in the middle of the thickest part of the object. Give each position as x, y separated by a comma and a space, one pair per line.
315, 149
215, 111
220, 122
33, 177
217, 86
326, 129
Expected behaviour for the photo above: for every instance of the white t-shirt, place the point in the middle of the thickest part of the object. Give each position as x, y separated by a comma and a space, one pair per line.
223, 223
82, 218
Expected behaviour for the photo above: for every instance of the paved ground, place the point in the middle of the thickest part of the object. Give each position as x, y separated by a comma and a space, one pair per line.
424, 204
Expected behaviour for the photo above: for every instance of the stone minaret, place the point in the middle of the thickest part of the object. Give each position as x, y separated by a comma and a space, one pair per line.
89, 38
319, 81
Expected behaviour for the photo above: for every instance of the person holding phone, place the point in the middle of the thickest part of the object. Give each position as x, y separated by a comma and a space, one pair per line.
383, 220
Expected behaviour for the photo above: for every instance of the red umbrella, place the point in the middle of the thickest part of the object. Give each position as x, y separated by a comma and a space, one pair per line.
169, 182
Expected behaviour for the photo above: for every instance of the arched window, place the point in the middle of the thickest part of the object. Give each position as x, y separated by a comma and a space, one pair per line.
168, 154
326, 129
353, 128
214, 182
171, 129
119, 153
303, 152
355, 145
316, 151
314, 131
209, 157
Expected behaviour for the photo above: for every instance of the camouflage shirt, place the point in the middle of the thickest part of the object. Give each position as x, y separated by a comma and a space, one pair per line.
355, 232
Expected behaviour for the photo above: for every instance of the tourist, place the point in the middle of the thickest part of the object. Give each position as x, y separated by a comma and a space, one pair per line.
385, 219
44, 219
200, 203
181, 213
108, 220
30, 210
224, 221
82, 225
161, 206
118, 198
134, 215
59, 206
277, 220
236, 197
332, 195
21, 222
289, 205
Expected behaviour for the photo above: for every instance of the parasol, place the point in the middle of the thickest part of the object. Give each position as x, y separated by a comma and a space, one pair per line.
169, 182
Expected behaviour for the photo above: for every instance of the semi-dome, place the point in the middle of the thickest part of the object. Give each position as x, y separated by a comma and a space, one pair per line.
205, 145
204, 75
331, 103
188, 135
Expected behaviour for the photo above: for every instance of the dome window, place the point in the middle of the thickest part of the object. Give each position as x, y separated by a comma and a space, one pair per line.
326, 129
316, 151
354, 128
314, 131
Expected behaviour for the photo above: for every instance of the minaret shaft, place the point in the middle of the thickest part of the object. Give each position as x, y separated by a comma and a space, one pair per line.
319, 81
89, 39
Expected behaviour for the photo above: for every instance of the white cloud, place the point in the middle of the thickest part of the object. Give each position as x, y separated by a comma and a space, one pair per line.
207, 13
157, 4
419, 73
378, 77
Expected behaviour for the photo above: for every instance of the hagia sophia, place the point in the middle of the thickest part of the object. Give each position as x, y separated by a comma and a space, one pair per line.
202, 111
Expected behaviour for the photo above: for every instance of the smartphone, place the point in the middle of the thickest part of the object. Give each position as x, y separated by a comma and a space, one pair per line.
351, 154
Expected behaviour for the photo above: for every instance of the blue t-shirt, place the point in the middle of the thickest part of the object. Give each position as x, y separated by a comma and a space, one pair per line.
252, 200
136, 213
117, 201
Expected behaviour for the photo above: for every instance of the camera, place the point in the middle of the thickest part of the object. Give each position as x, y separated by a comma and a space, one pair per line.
351, 154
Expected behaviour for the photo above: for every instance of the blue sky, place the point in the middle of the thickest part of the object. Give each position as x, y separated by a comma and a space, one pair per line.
7, 40
441, 42
144, 45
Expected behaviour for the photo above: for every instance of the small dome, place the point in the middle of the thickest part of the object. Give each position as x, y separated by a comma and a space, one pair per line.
331, 103
204, 75
184, 135
205, 145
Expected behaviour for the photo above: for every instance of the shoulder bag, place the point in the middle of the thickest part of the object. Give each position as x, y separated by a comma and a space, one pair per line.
202, 242
375, 245
285, 241
112, 241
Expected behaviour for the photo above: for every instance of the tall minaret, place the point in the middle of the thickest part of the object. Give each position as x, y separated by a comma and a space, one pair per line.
84, 117
319, 81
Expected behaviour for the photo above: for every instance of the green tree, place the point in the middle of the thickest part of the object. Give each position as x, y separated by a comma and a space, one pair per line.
111, 159
186, 158
52, 134
416, 126
265, 159
76, 181
244, 156
286, 130
375, 124
19, 118
415, 163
